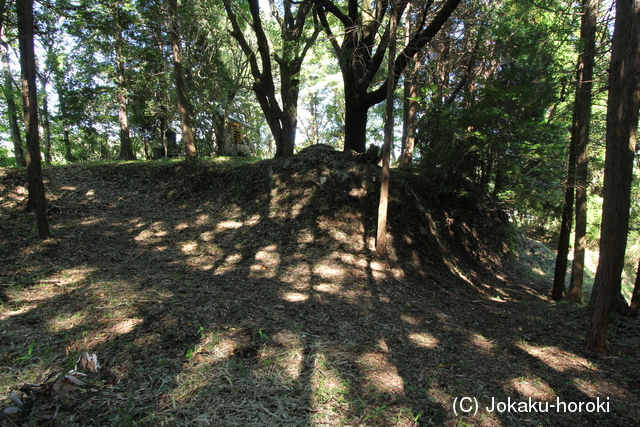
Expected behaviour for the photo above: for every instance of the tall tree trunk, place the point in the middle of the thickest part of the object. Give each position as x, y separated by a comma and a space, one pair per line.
410, 109
37, 201
581, 128
381, 239
183, 104
280, 112
355, 119
126, 150
67, 145
635, 297
16, 137
562, 256
622, 122
46, 128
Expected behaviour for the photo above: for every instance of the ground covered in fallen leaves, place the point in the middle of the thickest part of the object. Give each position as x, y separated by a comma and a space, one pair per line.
248, 294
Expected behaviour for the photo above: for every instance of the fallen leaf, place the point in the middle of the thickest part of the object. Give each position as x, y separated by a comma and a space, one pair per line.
88, 362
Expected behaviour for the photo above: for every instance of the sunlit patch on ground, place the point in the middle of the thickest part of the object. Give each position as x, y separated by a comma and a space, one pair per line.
380, 374
295, 297
558, 359
599, 388
483, 343
66, 321
228, 225
533, 387
425, 340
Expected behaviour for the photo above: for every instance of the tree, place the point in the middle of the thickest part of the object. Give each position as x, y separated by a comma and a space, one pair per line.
8, 90
635, 298
362, 52
16, 137
566, 223
582, 119
578, 165
490, 84
183, 103
381, 238
37, 200
296, 39
46, 123
126, 149
410, 101
622, 122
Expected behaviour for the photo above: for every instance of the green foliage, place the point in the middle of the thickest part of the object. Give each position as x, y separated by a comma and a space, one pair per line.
507, 131
6, 158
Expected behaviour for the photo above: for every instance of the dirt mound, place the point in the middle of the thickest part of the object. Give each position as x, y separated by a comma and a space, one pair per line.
247, 293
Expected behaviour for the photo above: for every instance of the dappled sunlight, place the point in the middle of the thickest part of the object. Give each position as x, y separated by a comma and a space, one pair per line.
305, 236
378, 270
354, 260
558, 359
203, 262
380, 374
152, 234
295, 296
424, 340
296, 274
229, 264
328, 288
47, 288
181, 226
329, 395
73, 275
207, 236
66, 321
189, 248
328, 270
91, 221
288, 355
229, 225
121, 326
534, 387
599, 388
485, 345
267, 261
410, 319
6, 312
203, 219
299, 205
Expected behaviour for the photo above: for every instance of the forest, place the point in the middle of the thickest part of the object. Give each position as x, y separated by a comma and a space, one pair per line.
319, 212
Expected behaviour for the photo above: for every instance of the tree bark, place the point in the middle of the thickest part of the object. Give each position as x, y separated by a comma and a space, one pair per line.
126, 150
635, 297
183, 103
46, 128
37, 201
410, 109
582, 119
67, 145
562, 256
16, 137
622, 122
381, 239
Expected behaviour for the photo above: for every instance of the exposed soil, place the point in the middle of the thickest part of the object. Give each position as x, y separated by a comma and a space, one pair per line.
247, 294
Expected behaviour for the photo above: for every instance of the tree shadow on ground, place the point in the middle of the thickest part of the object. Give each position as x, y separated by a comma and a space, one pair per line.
214, 306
